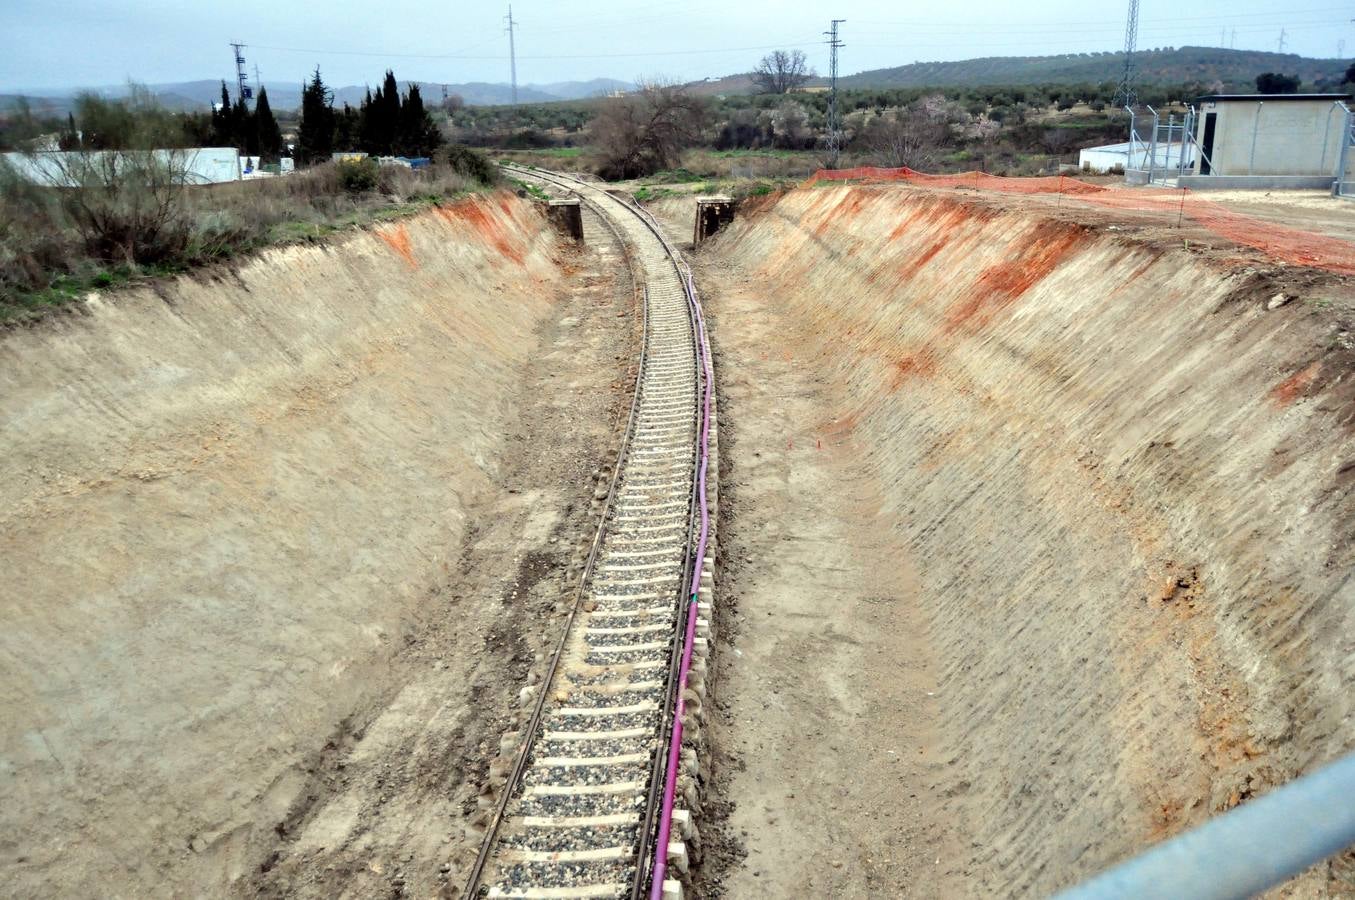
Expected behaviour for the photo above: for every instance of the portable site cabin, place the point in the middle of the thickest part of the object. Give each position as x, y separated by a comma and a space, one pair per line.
56, 168
1267, 140
1107, 158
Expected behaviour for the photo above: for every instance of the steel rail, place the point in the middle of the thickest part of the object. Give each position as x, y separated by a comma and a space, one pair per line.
692, 557
664, 765
688, 615
538, 708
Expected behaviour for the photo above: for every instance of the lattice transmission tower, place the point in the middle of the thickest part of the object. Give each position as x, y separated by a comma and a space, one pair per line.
834, 123
1124, 93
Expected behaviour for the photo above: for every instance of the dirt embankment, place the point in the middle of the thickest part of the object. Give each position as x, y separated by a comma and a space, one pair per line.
241, 514
1105, 491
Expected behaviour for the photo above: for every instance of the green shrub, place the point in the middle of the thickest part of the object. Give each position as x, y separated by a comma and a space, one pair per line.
471, 164
358, 176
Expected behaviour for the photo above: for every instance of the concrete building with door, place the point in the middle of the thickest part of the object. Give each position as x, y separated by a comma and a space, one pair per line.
1267, 140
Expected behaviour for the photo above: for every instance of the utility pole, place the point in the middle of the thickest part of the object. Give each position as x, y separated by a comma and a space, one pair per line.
243, 92
258, 82
1222, 32
834, 125
1232, 40
1341, 49
1124, 94
1281, 41
512, 54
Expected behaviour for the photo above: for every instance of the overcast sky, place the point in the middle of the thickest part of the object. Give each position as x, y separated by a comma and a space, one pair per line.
90, 43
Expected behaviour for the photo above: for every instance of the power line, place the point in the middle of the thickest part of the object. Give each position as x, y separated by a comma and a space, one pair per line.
1091, 34
512, 54
919, 24
796, 44
1032, 41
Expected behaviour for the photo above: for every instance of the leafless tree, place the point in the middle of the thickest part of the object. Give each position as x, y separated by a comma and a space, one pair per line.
1058, 140
647, 130
128, 205
781, 72
126, 197
912, 136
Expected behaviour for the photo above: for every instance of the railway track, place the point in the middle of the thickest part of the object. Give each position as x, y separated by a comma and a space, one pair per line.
593, 774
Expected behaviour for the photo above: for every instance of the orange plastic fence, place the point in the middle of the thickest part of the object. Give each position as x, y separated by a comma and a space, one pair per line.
1281, 242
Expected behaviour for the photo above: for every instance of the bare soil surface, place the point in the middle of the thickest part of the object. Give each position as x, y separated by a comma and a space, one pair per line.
388, 810
1316, 211
824, 733
282, 544
1096, 458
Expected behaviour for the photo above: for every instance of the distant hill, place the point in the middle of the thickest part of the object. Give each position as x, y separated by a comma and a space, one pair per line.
581, 90
1236, 69
729, 84
188, 95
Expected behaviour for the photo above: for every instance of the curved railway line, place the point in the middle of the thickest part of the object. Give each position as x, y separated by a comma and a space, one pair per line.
596, 770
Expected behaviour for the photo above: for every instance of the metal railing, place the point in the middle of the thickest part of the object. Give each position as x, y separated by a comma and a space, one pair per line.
1343, 185
1246, 850
1162, 151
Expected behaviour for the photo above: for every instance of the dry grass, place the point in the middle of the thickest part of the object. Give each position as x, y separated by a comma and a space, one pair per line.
559, 159
739, 165
45, 262
701, 163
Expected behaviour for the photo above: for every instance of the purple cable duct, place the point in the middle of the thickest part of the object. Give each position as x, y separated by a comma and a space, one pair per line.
675, 743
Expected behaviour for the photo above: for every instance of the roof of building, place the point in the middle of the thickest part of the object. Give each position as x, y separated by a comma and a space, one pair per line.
1268, 98
1125, 146
1107, 148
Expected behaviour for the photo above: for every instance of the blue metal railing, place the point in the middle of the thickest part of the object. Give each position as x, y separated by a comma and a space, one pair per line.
1247, 849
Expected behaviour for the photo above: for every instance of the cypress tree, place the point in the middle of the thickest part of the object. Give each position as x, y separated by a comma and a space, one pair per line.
315, 134
390, 114
376, 130
71, 139
348, 129
246, 137
222, 131
366, 134
266, 127
419, 136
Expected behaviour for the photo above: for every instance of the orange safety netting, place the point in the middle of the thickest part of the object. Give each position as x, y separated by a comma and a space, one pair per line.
1285, 243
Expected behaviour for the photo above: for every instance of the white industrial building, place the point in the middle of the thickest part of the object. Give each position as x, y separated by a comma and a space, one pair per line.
1267, 140
201, 165
1121, 158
